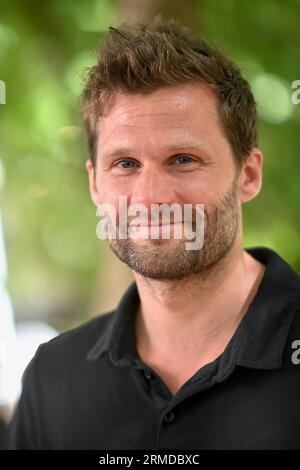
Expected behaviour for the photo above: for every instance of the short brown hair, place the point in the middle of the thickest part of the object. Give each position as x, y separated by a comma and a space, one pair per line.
144, 57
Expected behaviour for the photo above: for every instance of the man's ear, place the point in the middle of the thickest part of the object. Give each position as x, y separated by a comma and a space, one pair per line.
250, 179
92, 182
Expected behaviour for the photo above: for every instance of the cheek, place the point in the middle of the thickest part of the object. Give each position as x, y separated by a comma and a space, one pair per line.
202, 191
110, 191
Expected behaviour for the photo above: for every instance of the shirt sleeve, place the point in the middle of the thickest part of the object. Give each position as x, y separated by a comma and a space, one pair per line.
24, 427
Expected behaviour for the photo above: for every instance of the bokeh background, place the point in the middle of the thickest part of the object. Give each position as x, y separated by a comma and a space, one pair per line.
54, 272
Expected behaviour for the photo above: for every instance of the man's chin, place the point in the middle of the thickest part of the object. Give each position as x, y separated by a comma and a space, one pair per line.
156, 242
149, 243
157, 259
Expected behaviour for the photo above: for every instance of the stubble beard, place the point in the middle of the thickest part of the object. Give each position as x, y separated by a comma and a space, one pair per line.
170, 260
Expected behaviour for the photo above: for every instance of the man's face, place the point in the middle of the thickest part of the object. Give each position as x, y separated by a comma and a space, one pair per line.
168, 147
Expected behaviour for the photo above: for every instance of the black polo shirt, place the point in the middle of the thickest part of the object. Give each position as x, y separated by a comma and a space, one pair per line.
88, 389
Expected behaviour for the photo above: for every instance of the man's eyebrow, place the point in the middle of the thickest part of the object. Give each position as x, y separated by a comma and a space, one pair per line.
115, 151
204, 150
188, 145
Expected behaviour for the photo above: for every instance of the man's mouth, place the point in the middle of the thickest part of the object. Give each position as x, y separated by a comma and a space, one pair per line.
155, 224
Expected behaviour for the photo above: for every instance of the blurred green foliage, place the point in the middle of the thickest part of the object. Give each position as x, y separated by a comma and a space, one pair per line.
49, 220
263, 38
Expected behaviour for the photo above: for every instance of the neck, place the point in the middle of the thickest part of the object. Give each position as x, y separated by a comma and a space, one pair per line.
185, 316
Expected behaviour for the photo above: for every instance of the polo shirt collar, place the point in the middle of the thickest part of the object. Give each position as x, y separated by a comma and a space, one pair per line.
118, 339
270, 314
259, 340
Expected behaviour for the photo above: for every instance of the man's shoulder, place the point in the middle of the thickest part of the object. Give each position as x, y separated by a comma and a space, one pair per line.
293, 303
72, 346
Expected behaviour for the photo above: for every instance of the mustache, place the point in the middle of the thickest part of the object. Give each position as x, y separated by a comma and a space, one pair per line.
163, 218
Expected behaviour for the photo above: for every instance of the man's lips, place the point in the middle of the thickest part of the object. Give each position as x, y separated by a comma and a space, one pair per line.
155, 225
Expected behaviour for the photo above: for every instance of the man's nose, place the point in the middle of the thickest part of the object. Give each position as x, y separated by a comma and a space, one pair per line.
153, 186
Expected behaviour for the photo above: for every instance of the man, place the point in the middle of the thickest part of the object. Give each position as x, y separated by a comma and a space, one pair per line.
201, 351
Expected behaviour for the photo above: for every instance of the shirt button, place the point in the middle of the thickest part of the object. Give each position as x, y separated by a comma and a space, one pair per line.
148, 374
169, 417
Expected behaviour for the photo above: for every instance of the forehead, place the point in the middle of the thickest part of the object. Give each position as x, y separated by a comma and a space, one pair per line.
185, 108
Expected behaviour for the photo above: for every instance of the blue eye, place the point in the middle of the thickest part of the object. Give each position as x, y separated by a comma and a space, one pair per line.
184, 159
126, 164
